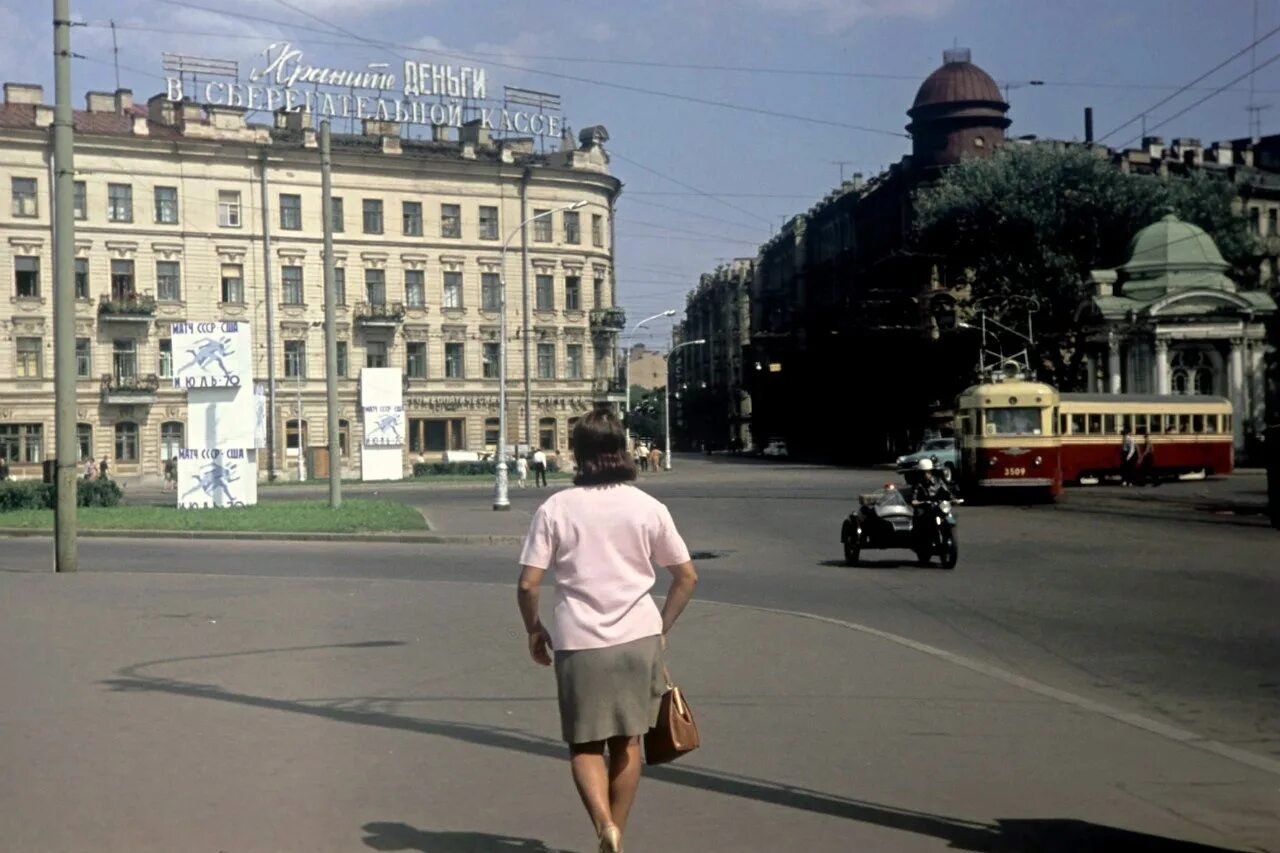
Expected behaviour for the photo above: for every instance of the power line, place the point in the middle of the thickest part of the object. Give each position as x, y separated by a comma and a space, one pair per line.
687, 212
679, 183
626, 220
1182, 89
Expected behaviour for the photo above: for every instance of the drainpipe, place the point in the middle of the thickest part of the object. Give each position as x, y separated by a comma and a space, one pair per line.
271, 332
524, 290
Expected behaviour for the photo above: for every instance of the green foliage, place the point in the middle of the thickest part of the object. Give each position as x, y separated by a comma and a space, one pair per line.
33, 494
646, 419
465, 469
1033, 221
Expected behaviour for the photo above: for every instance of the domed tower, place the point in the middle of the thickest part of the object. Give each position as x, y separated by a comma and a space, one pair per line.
958, 113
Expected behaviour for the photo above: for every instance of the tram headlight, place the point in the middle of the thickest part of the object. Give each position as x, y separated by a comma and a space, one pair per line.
1038, 461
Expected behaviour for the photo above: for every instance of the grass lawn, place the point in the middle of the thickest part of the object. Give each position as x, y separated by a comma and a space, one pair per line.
355, 516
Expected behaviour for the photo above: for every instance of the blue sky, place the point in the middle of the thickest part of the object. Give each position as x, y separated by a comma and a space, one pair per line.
1112, 56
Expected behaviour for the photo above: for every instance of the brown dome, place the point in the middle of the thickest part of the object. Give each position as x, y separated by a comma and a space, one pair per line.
957, 81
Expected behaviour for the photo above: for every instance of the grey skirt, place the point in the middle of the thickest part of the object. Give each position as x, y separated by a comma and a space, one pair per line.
610, 692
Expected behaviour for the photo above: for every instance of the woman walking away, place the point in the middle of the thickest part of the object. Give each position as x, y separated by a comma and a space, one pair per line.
601, 540
522, 470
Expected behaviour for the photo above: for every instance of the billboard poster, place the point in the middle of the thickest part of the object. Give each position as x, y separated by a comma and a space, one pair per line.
260, 416
382, 406
217, 478
222, 418
212, 355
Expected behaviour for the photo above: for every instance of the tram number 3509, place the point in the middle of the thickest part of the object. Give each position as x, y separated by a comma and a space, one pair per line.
1015, 472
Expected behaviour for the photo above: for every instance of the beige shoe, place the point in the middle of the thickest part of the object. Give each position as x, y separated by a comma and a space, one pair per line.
611, 840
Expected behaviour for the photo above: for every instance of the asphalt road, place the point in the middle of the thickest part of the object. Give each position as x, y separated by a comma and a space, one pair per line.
1170, 614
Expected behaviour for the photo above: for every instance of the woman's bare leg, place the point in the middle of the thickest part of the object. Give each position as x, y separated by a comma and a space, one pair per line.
586, 760
624, 777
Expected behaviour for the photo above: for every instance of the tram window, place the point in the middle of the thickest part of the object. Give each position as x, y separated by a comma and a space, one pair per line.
1095, 424
1126, 422
1154, 424
1184, 423
1077, 424
1197, 423
1139, 423
1109, 424
1062, 424
1210, 423
1023, 420
1170, 423
1226, 423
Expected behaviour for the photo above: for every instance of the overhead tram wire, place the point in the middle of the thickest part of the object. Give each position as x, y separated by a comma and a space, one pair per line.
684, 211
393, 48
1184, 88
679, 183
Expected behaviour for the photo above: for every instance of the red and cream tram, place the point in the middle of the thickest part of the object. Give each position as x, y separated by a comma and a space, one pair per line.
1006, 435
1190, 435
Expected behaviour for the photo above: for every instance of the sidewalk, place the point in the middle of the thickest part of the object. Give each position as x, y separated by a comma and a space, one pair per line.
167, 712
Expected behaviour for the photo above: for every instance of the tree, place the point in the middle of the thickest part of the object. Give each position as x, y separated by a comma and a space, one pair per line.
1033, 221
648, 406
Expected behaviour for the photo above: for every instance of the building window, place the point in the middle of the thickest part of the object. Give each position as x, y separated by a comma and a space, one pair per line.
545, 292
229, 208
546, 361
492, 352
170, 439
416, 359
22, 443
168, 281
491, 426
24, 197
166, 357
572, 293
290, 212
80, 203
344, 360
597, 230
122, 288
573, 361
572, 228
344, 437
490, 291
375, 354
547, 433
233, 284
597, 293
453, 361
126, 442
375, 286
1272, 224
84, 364
452, 289
84, 440
82, 278
119, 203
124, 358
295, 359
335, 210
412, 214
166, 205
29, 360
450, 220
434, 436
488, 223
291, 285
372, 215
415, 289
295, 434
340, 285
1255, 220
542, 226
26, 276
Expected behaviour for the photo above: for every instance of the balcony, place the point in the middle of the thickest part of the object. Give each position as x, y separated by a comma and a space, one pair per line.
129, 390
135, 308
373, 315
608, 319
609, 390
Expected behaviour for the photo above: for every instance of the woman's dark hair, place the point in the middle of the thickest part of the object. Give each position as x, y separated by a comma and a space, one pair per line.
600, 450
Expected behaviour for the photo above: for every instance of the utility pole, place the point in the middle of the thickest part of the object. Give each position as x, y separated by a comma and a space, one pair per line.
330, 320
524, 325
64, 297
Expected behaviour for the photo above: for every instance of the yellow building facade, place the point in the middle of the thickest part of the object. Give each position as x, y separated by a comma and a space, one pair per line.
188, 213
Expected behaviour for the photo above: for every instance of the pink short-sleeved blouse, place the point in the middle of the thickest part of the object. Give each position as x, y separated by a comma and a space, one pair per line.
601, 544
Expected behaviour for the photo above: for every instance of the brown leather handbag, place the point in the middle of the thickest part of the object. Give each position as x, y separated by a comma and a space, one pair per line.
675, 733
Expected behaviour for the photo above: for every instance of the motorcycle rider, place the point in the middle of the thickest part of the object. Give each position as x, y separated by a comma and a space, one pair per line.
929, 488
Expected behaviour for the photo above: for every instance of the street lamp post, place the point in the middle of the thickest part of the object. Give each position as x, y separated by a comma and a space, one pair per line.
501, 498
626, 355
666, 408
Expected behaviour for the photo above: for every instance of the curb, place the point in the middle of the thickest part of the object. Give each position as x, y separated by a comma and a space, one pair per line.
260, 536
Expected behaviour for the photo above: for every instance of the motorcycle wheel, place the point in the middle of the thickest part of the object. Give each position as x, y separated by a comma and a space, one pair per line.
851, 551
950, 552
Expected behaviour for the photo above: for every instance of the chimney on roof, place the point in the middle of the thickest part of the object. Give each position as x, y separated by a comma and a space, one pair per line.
123, 100
23, 93
1188, 150
475, 133
100, 102
161, 110
292, 119
1153, 145
375, 127
1088, 125
956, 54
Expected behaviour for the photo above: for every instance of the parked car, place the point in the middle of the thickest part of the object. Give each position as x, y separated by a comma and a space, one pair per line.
943, 452
775, 448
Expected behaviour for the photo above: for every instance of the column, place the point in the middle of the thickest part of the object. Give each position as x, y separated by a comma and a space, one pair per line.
1113, 363
1161, 383
1235, 388
1091, 374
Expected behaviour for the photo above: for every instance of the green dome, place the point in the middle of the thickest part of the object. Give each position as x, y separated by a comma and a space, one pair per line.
1173, 255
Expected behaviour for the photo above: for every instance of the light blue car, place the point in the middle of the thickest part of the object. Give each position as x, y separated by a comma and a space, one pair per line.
943, 452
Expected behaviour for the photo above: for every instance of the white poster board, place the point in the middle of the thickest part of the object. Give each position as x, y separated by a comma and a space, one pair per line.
382, 407
217, 478
222, 418
212, 355
260, 416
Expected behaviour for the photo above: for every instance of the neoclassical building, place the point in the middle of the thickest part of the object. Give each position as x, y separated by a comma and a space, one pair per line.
187, 212
1171, 321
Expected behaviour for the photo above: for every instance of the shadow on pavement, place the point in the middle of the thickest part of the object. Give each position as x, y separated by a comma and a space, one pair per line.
1058, 835
874, 565
401, 836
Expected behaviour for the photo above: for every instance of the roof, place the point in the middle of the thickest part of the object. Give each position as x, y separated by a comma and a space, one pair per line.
23, 116
1141, 398
957, 83
1172, 255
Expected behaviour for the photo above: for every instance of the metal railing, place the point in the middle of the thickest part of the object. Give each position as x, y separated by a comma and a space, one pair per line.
134, 305
370, 312
128, 384
613, 319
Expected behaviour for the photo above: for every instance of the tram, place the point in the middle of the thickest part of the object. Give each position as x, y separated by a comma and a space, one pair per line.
1007, 438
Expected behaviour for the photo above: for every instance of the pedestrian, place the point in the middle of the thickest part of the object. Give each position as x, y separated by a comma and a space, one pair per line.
539, 467
90, 468
601, 539
4, 469
1128, 457
522, 471
655, 458
171, 474
103, 468
1147, 462
642, 456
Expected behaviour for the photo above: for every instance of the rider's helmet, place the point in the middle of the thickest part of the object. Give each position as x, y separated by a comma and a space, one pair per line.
924, 465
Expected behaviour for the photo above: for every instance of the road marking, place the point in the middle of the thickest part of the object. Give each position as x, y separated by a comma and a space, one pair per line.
1155, 727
